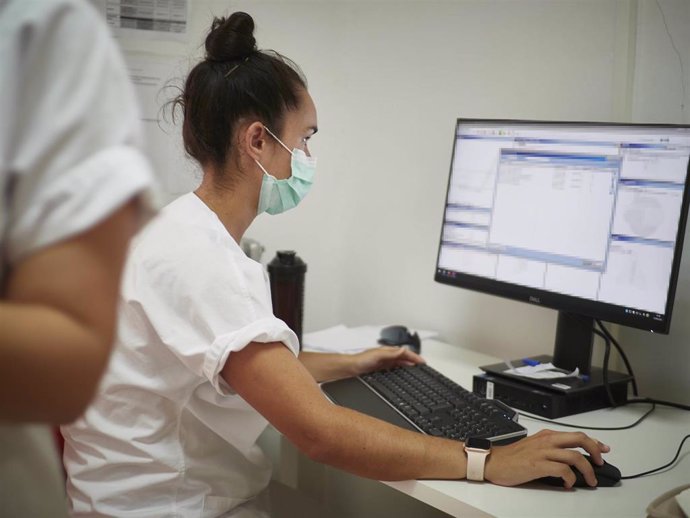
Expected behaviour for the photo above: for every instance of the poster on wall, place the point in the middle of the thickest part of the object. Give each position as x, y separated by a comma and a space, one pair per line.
147, 19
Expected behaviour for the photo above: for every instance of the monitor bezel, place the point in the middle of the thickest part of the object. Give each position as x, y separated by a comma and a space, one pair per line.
568, 303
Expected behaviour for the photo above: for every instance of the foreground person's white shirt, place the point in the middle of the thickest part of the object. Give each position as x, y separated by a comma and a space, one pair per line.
167, 436
70, 156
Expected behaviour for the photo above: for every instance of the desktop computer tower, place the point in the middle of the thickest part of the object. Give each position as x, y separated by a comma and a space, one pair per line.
539, 399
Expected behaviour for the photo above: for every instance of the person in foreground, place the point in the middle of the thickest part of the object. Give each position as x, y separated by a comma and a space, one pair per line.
72, 178
201, 363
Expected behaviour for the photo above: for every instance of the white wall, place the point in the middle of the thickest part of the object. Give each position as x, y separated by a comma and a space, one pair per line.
662, 362
389, 78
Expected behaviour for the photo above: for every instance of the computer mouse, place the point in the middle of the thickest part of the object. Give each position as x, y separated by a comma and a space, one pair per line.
400, 336
607, 475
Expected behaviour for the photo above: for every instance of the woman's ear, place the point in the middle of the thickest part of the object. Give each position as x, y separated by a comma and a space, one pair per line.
254, 140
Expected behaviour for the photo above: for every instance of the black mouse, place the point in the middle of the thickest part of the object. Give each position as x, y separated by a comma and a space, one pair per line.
607, 475
401, 336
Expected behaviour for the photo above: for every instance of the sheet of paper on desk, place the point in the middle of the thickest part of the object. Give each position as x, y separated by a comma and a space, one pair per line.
541, 371
343, 339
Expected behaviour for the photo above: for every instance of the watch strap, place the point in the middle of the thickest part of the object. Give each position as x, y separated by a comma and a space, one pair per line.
476, 459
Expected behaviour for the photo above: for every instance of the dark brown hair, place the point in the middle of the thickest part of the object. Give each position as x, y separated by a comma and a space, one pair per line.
234, 81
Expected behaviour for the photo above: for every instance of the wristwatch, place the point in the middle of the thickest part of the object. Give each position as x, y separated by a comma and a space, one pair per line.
477, 451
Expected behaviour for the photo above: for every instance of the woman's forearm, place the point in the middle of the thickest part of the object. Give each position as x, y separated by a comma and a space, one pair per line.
328, 366
331, 434
371, 448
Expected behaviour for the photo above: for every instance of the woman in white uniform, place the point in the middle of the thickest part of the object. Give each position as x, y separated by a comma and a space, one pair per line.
71, 178
201, 363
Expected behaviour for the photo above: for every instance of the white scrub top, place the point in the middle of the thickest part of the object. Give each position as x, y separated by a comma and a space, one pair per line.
69, 157
166, 435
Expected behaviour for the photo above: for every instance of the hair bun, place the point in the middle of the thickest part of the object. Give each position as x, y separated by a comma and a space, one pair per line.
231, 38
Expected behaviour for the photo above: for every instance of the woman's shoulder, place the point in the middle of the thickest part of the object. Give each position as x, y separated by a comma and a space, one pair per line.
185, 234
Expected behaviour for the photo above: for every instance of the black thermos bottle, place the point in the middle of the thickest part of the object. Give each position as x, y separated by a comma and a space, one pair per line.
286, 272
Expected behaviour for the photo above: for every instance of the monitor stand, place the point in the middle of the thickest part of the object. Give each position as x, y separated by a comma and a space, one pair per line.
557, 397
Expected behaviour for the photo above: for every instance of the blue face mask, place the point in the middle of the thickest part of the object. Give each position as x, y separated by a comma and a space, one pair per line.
277, 196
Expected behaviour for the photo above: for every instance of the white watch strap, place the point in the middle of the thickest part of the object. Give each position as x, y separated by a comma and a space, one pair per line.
475, 464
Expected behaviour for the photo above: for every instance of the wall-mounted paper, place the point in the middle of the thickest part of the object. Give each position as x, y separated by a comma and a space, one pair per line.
147, 19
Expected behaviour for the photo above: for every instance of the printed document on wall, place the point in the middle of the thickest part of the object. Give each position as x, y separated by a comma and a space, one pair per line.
147, 19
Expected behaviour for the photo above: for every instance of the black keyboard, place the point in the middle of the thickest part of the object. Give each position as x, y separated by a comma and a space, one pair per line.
438, 406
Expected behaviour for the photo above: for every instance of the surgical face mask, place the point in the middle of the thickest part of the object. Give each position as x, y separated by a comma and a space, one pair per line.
277, 196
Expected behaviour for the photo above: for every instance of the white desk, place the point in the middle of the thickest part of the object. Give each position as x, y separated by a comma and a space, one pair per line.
648, 445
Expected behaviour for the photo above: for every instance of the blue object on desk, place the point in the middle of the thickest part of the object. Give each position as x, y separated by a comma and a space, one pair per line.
530, 362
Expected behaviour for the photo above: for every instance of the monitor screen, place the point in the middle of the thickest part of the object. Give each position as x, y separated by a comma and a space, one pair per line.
584, 218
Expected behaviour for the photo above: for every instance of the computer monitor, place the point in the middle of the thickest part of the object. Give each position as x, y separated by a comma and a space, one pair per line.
584, 218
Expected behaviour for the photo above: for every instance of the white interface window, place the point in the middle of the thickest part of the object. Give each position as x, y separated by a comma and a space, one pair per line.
588, 211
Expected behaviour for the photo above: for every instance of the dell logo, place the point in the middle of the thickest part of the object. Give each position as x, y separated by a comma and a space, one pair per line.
534, 299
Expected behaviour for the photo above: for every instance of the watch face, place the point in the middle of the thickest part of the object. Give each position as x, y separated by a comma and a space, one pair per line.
475, 442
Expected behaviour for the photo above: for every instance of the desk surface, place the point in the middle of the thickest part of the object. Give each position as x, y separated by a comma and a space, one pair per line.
632, 451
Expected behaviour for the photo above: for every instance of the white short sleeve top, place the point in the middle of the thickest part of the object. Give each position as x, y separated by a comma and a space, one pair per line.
70, 136
70, 155
167, 436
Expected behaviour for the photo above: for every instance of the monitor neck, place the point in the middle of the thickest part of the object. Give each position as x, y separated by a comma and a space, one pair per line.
574, 339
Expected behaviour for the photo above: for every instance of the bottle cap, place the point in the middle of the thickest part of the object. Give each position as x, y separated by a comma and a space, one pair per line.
285, 262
